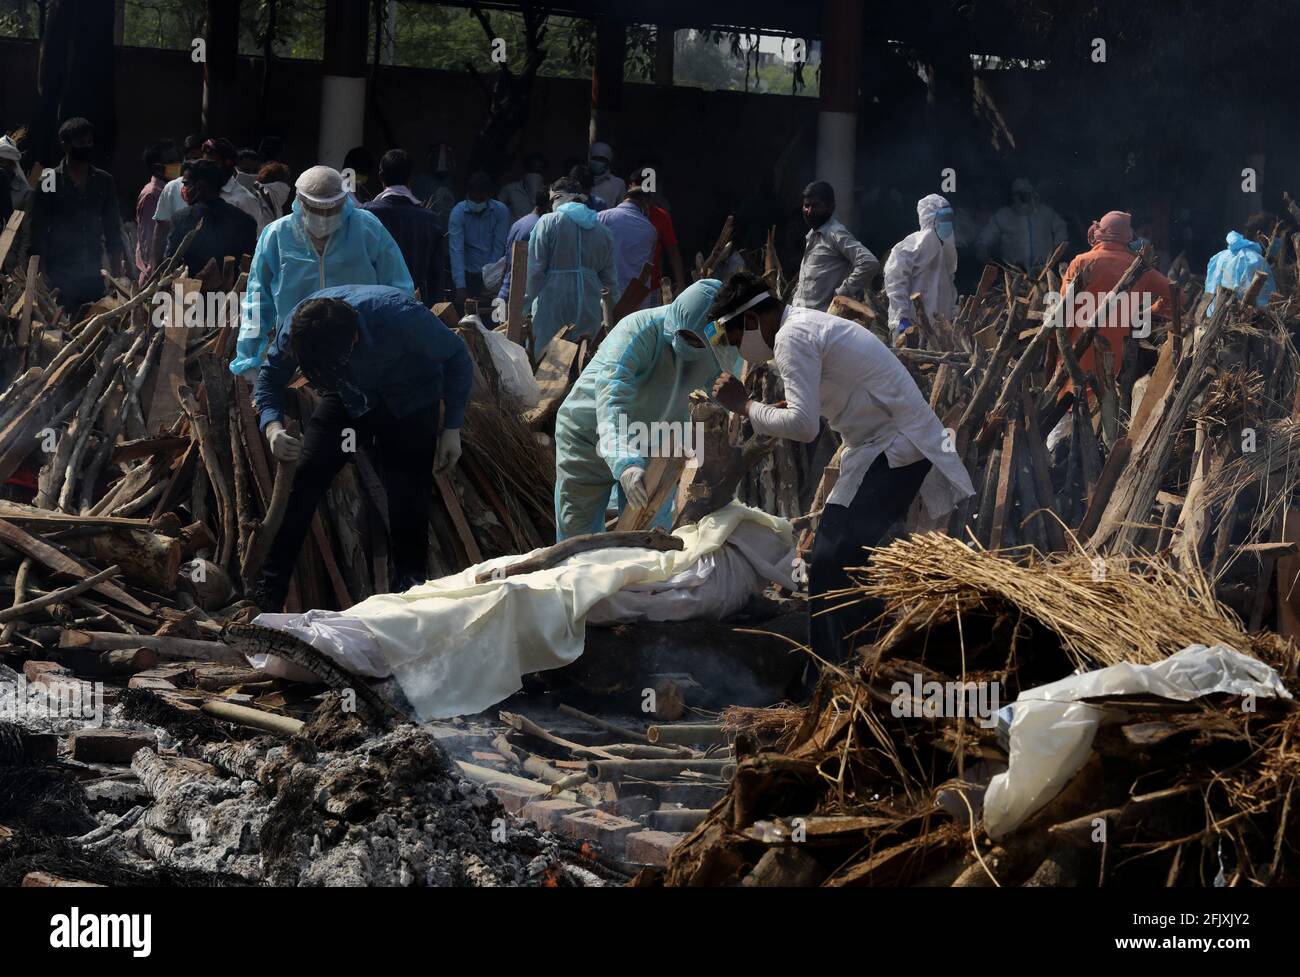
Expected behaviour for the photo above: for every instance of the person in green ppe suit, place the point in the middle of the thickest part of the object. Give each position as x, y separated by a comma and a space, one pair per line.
643, 373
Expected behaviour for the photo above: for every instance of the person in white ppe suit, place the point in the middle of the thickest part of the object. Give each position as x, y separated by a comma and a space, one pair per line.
1025, 233
327, 240
606, 185
894, 445
925, 262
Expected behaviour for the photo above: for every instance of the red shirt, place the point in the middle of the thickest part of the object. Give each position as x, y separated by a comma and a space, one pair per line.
663, 224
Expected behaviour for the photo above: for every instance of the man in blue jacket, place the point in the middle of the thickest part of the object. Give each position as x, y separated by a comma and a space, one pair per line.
382, 364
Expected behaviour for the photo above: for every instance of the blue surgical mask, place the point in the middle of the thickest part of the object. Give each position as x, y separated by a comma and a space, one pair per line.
598, 166
943, 229
476, 208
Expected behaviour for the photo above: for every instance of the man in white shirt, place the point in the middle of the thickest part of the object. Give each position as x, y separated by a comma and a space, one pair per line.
834, 261
894, 445
171, 206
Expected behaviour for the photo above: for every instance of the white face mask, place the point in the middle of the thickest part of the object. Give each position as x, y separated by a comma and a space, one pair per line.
754, 348
322, 225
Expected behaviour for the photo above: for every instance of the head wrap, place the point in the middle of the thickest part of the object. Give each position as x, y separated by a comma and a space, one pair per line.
1115, 228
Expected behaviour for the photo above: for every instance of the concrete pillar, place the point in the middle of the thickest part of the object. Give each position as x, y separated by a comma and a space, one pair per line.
343, 81
607, 78
837, 121
664, 38
221, 103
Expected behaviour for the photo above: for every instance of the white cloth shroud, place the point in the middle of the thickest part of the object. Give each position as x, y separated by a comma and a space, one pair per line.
457, 647
1052, 732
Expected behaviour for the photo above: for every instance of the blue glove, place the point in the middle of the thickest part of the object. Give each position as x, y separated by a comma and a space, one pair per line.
904, 324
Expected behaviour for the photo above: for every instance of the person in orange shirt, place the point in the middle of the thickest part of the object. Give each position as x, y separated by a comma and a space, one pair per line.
1107, 261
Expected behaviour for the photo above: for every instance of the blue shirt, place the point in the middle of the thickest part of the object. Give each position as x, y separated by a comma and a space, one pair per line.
476, 240
405, 358
634, 240
287, 268
519, 231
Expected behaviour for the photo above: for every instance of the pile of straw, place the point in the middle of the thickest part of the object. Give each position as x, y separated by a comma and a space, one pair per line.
1105, 610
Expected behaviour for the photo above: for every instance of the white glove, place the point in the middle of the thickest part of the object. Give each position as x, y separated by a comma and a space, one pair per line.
633, 482
448, 451
284, 446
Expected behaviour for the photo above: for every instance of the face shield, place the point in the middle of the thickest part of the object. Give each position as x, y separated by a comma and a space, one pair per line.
321, 193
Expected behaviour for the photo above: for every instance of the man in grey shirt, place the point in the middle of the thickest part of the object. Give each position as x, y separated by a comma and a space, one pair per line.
834, 261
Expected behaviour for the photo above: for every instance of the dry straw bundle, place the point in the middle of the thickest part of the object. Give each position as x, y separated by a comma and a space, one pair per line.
1105, 610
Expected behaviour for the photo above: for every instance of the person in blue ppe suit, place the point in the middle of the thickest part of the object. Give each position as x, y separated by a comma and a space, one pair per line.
643, 372
1235, 266
570, 258
328, 240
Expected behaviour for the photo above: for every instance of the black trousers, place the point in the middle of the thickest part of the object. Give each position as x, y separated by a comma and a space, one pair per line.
405, 449
883, 498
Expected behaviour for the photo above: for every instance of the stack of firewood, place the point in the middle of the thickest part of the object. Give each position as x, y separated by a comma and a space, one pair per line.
131, 457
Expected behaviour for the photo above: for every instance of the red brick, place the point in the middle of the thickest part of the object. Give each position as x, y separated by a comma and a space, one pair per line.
547, 814
45, 672
651, 847
511, 799
604, 829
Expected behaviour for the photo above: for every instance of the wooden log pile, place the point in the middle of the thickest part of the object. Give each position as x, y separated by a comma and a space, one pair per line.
854, 790
127, 446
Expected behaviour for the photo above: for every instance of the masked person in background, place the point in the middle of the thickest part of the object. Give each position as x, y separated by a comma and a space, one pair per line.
327, 240
16, 194
570, 259
894, 445
476, 236
1235, 266
635, 238
521, 195
1106, 261
248, 162
226, 231
273, 190
171, 204
1024, 234
162, 161
925, 261
643, 373
834, 261
605, 185
383, 365
76, 223
417, 231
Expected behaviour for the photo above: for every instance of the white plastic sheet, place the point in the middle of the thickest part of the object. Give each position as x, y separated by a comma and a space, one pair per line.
1052, 732
457, 647
511, 361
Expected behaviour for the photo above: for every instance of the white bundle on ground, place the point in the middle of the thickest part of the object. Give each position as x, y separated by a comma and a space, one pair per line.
457, 647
